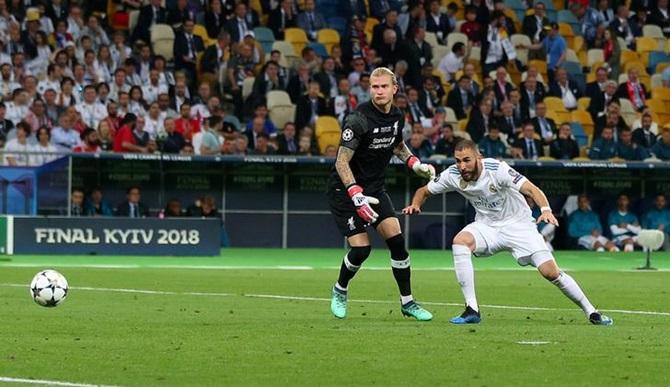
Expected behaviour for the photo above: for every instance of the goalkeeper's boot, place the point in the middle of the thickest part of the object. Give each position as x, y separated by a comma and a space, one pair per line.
469, 316
596, 318
338, 303
412, 309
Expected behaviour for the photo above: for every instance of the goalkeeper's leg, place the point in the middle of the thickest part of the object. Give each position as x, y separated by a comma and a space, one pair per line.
359, 252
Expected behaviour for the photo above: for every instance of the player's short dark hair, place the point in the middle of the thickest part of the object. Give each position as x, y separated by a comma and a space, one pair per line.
465, 144
458, 47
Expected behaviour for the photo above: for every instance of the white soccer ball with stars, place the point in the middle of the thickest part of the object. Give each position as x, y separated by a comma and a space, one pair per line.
48, 288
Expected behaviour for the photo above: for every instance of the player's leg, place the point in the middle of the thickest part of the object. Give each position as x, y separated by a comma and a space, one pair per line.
352, 261
528, 247
353, 228
389, 229
463, 246
563, 281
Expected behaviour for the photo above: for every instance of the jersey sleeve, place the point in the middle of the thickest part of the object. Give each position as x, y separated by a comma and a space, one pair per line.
355, 126
446, 181
509, 177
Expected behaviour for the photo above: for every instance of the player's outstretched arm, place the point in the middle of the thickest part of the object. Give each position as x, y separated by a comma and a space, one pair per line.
426, 171
420, 197
547, 216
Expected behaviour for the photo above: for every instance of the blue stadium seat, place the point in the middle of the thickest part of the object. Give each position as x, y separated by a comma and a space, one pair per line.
339, 24
231, 119
515, 4
266, 37
319, 49
656, 57
572, 67
579, 134
566, 16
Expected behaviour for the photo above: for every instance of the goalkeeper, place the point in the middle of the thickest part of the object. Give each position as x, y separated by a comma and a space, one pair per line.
356, 195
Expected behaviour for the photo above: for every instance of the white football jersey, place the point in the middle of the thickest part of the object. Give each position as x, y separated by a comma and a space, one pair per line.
495, 195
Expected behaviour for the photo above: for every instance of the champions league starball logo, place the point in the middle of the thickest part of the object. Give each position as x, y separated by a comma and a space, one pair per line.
347, 135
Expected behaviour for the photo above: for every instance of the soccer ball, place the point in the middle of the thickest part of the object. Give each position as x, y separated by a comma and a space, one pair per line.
48, 288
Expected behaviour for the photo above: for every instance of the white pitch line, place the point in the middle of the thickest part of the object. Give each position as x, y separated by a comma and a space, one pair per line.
321, 299
533, 342
48, 382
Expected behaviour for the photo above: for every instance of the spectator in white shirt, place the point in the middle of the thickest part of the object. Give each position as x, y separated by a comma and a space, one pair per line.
153, 123
7, 84
95, 31
119, 85
52, 81
75, 23
44, 151
119, 50
154, 87
453, 61
16, 149
137, 103
18, 107
92, 112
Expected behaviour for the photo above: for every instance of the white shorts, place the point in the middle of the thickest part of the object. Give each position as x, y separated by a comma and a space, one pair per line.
521, 238
588, 241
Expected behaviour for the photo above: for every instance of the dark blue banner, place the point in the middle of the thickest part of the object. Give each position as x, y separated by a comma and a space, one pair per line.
117, 236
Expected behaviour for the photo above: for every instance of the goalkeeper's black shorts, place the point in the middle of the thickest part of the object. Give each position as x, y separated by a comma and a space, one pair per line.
344, 211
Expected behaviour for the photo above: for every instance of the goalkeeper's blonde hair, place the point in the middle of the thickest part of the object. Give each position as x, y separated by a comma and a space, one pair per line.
379, 71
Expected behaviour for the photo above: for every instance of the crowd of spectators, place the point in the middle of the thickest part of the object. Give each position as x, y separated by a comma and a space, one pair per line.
69, 82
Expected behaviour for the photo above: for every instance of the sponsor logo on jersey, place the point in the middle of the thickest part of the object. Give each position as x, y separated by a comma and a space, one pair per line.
463, 184
384, 142
348, 134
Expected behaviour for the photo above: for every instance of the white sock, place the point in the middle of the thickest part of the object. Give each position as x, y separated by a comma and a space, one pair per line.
465, 274
339, 287
628, 247
600, 249
570, 288
405, 299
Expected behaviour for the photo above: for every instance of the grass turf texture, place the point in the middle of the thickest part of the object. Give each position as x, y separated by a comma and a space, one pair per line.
129, 339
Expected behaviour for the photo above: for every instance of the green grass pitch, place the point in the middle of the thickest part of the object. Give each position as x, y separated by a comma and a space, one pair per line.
261, 317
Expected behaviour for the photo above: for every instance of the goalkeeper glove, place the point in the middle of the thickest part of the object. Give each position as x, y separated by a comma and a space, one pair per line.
426, 171
362, 203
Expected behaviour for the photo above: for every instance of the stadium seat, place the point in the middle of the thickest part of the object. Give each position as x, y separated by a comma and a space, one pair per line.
328, 37
583, 103
555, 104
566, 16
656, 81
476, 54
454, 37
571, 56
337, 23
573, 68
319, 49
162, 41
655, 32
287, 51
199, 30
566, 32
644, 46
325, 124
450, 118
580, 134
266, 37
327, 139
594, 55
281, 114
247, 87
297, 37
431, 39
655, 58
133, 16
628, 112
233, 120
540, 65
659, 111
276, 98
662, 93
628, 56
370, 24
521, 53
578, 44
584, 118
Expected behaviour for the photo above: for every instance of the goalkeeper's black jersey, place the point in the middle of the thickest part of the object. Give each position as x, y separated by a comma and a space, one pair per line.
372, 135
